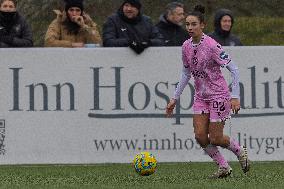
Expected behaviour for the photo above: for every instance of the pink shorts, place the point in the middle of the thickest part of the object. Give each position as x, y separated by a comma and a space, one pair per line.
219, 109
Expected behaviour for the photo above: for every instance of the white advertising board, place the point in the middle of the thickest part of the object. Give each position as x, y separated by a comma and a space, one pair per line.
105, 105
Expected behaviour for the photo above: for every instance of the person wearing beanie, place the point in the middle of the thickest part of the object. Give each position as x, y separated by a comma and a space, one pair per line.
223, 24
72, 27
128, 27
170, 25
74, 3
134, 3
14, 29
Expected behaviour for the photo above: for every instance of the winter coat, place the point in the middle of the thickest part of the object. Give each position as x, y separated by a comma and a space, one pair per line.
118, 32
20, 32
224, 38
174, 35
58, 36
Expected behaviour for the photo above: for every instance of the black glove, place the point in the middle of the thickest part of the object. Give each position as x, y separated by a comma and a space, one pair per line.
137, 47
7, 39
146, 44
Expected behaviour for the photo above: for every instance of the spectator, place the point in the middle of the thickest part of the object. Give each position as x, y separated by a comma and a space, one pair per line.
129, 28
14, 30
170, 25
223, 24
72, 27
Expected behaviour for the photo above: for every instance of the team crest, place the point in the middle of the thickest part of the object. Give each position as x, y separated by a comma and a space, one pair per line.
224, 56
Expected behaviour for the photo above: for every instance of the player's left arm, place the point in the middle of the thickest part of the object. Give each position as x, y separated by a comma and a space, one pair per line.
235, 96
224, 60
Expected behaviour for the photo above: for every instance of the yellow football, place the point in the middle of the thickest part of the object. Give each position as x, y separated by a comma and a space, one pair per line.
145, 163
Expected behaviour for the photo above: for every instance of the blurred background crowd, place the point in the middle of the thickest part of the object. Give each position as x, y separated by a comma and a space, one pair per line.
257, 22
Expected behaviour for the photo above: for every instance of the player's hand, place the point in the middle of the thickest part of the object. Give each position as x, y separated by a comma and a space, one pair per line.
170, 107
235, 105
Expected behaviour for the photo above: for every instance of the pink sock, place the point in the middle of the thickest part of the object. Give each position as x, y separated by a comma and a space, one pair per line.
215, 154
234, 147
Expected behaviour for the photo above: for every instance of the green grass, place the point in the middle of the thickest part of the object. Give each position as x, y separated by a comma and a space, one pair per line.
168, 175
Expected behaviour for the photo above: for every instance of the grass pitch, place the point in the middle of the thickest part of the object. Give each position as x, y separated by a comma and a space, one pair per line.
168, 175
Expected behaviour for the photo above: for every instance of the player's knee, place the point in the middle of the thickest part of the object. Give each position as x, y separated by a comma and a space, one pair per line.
201, 139
214, 140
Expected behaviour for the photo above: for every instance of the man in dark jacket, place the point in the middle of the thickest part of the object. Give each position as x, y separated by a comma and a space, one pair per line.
14, 30
170, 25
129, 28
223, 24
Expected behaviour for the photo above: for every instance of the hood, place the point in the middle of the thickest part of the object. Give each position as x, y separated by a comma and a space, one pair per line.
162, 18
60, 16
217, 21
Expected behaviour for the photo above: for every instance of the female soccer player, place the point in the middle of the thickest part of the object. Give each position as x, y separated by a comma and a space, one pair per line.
202, 58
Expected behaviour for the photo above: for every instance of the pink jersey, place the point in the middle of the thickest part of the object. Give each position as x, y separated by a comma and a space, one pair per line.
203, 61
